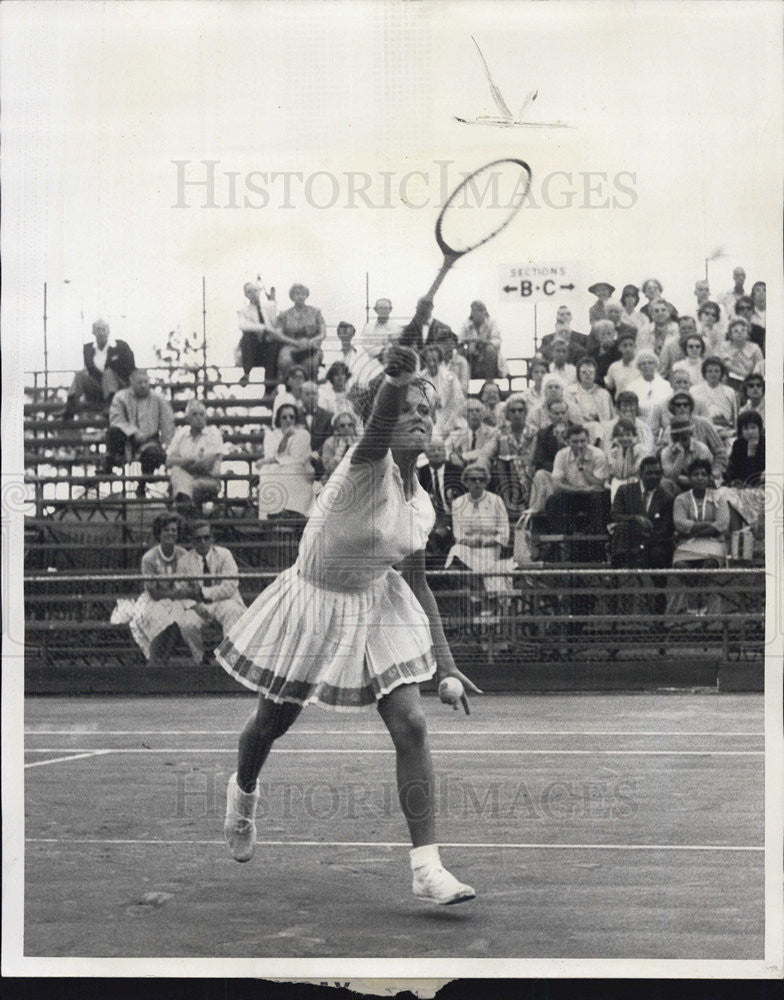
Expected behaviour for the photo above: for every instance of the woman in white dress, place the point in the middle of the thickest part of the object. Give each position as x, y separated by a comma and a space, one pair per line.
480, 526
694, 346
333, 396
715, 400
286, 473
161, 606
589, 404
344, 629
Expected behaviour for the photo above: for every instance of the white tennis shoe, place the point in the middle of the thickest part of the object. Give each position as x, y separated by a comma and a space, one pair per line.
433, 884
239, 827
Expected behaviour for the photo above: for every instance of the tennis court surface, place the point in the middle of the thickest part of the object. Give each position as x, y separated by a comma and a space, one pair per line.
593, 826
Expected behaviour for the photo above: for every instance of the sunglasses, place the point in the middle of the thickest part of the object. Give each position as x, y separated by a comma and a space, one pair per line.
202, 538
475, 479
516, 409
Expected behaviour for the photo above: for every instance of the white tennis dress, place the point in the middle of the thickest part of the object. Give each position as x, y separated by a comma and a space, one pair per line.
341, 627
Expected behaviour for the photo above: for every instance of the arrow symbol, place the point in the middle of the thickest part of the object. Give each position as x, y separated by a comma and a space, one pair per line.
510, 288
569, 287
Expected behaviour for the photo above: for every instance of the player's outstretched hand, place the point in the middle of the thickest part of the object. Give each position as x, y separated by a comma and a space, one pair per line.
452, 690
400, 360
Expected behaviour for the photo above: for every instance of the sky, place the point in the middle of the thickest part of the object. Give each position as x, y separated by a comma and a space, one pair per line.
673, 153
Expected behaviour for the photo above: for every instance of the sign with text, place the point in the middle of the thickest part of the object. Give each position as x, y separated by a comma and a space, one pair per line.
537, 281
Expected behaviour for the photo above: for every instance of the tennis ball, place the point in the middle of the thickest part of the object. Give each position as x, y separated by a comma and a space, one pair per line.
450, 690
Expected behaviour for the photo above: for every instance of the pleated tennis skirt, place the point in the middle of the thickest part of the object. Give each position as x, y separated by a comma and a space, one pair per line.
302, 643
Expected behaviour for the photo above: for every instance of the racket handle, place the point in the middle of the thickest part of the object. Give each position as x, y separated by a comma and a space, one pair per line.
449, 260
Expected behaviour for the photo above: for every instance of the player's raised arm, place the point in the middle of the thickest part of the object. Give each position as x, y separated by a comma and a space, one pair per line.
399, 370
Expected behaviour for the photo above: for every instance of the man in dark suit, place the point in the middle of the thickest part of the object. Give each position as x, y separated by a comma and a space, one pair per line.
441, 481
577, 342
423, 329
108, 364
642, 515
317, 420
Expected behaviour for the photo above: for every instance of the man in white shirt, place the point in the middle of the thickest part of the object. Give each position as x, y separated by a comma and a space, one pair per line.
260, 341
361, 366
215, 590
377, 335
580, 501
108, 364
728, 300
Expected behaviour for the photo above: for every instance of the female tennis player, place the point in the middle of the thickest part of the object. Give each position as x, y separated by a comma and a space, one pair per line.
343, 629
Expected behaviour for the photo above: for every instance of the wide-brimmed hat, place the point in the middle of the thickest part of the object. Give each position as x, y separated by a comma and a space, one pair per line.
601, 284
679, 425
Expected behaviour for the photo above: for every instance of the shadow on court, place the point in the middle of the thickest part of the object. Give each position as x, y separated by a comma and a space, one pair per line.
590, 826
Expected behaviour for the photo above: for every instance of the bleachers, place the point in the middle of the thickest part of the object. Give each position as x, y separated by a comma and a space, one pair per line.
564, 627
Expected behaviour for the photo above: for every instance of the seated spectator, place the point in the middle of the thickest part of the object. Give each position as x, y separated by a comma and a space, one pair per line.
745, 478
661, 331
214, 590
702, 521
642, 525
290, 391
560, 366
473, 441
442, 484
678, 455
454, 361
362, 368
753, 395
514, 456
630, 298
449, 398
159, 612
602, 290
614, 314
553, 391
674, 348
728, 300
602, 348
745, 308
577, 342
588, 403
286, 471
628, 407
423, 328
490, 398
547, 444
715, 400
711, 328
345, 434
378, 334
194, 459
333, 396
624, 371
580, 501
480, 341
534, 393
623, 455
758, 298
108, 364
481, 528
141, 424
682, 405
653, 289
746, 466
694, 350
260, 341
740, 356
301, 330
315, 418
651, 390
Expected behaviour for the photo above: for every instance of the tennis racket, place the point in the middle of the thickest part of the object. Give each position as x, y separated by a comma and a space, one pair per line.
483, 204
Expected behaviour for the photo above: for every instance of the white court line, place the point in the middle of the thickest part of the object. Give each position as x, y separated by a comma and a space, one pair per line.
378, 732
390, 844
390, 750
73, 756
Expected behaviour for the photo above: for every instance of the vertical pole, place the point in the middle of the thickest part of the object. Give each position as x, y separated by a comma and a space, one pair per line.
46, 352
536, 329
204, 331
706, 269
367, 296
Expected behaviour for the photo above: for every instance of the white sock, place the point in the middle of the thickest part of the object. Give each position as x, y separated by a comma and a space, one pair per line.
425, 857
